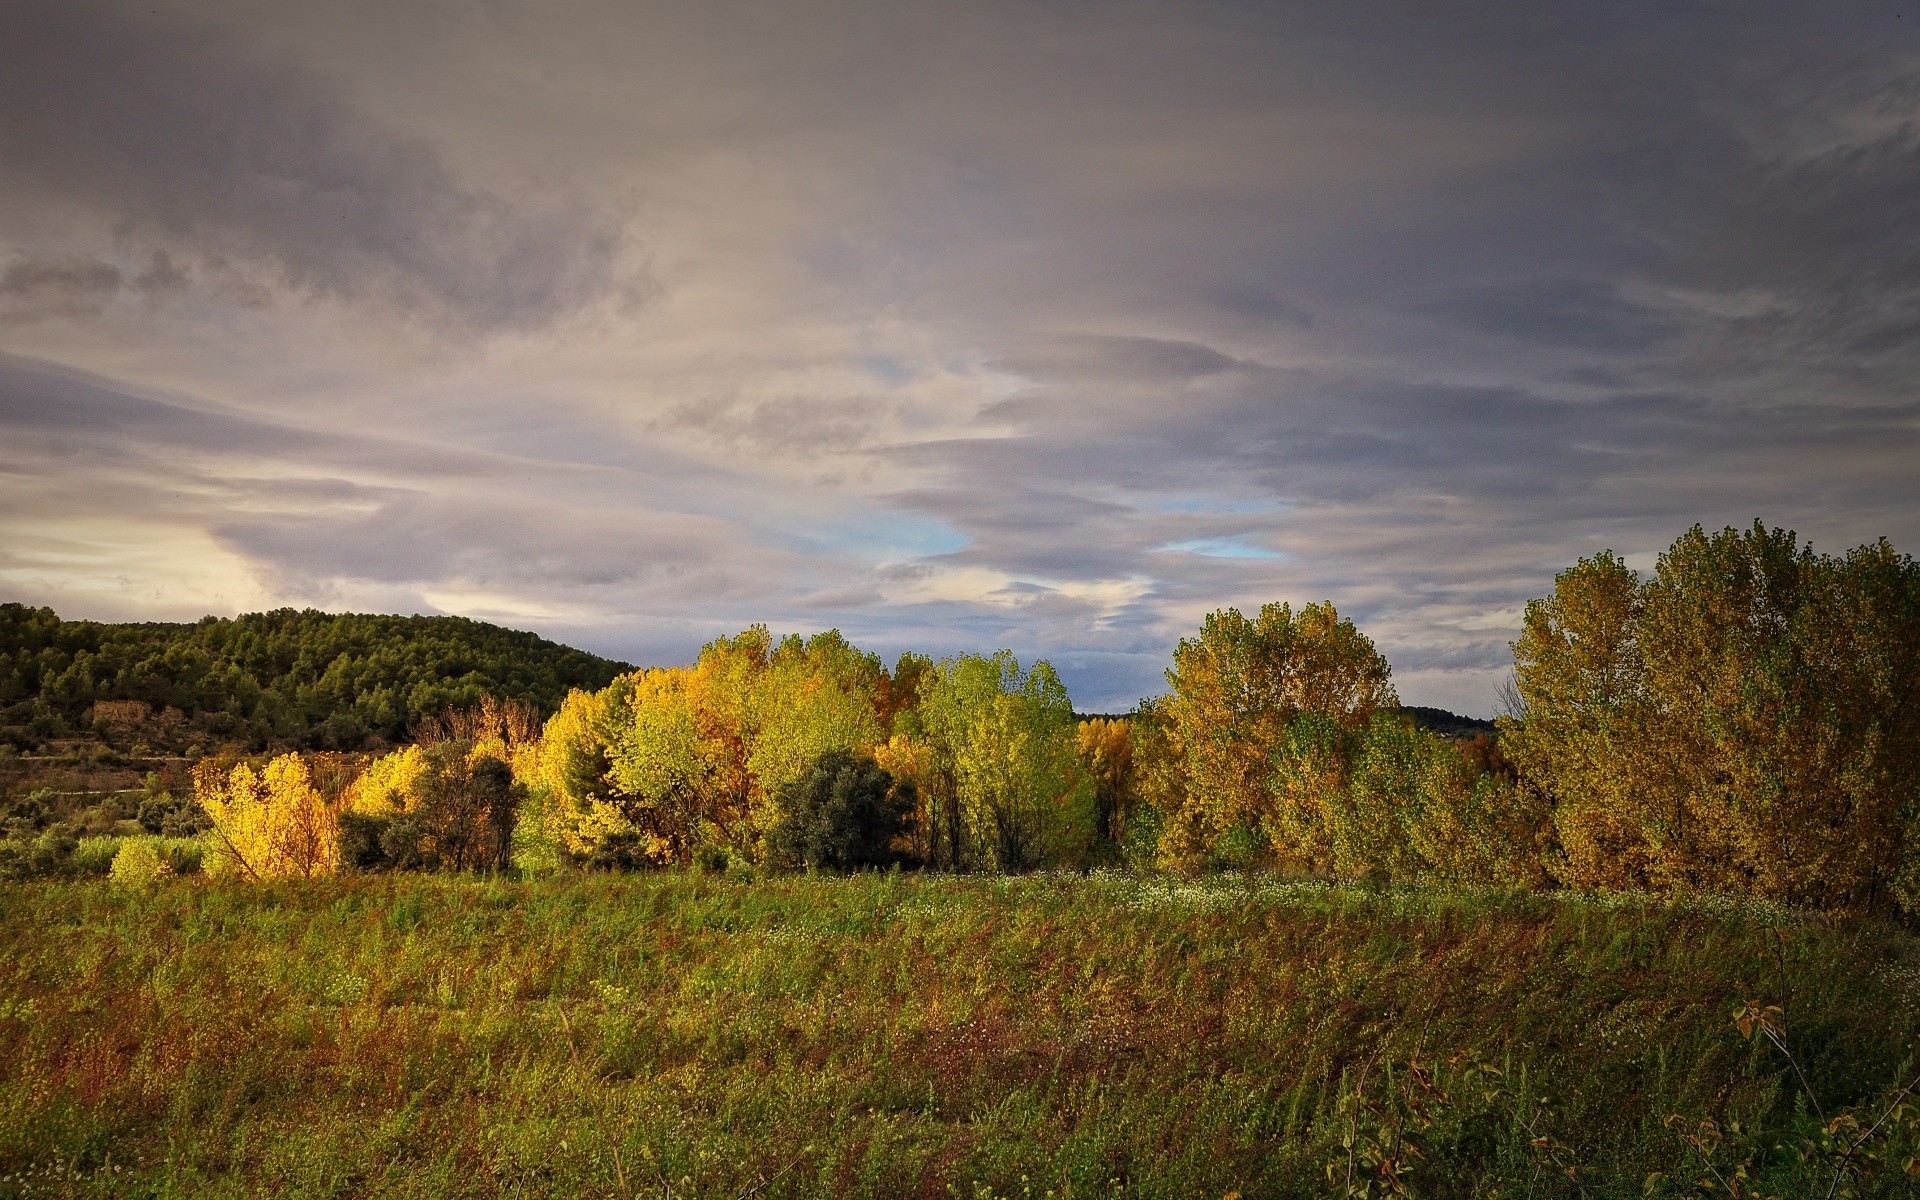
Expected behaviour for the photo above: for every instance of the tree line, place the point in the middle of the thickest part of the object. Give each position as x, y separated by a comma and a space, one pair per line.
1743, 719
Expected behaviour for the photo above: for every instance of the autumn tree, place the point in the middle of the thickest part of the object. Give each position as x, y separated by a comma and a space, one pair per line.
1393, 800
1001, 740
1105, 750
669, 775
815, 696
1748, 719
267, 824
1237, 690
1582, 710
666, 760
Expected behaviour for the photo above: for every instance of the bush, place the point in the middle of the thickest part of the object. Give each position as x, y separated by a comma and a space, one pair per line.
28, 814
137, 864
94, 855
843, 814
453, 811
172, 816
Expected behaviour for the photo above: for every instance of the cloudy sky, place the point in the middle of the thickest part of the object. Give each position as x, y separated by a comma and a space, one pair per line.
953, 326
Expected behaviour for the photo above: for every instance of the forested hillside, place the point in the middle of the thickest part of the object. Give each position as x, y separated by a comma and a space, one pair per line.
304, 679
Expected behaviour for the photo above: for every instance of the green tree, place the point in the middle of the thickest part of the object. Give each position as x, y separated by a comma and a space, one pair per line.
843, 813
1002, 744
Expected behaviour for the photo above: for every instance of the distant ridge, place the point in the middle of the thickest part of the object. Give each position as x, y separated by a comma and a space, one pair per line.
300, 678
1447, 724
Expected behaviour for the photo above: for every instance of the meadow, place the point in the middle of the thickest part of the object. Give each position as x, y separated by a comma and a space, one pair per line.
734, 1035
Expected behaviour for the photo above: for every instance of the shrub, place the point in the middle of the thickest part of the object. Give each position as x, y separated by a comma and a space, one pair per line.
842, 814
169, 815
94, 855
137, 864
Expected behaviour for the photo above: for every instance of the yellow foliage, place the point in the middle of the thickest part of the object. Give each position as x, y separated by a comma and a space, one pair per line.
270, 824
912, 760
390, 784
136, 864
1106, 754
1741, 721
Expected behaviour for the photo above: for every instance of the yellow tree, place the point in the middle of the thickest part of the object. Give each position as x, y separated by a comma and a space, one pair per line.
1105, 749
270, 824
668, 776
390, 784
1237, 689
911, 760
569, 808
814, 696
1002, 743
1748, 719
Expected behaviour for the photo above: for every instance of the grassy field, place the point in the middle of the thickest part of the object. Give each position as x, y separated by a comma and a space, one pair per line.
895, 1035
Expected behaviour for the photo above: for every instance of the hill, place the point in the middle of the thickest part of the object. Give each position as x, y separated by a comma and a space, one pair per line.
899, 1035
301, 679
1448, 724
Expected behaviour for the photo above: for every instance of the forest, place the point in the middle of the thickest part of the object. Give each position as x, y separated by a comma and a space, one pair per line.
301, 680
552, 923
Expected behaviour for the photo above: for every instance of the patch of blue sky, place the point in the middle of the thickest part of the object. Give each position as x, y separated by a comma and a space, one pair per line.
1224, 547
884, 536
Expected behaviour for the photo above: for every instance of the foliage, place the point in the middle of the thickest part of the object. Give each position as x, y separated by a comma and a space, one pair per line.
1238, 689
448, 805
1008, 793
268, 824
304, 679
896, 1034
843, 814
1390, 799
1864, 1149
1441, 1127
1105, 750
667, 760
137, 864
1747, 720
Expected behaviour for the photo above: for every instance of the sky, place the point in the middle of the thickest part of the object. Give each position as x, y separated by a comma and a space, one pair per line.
957, 326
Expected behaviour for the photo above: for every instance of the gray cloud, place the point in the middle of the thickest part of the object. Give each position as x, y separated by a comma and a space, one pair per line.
180, 131
1587, 314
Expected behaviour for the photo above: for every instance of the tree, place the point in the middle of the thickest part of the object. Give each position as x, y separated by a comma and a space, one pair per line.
1397, 801
1580, 683
270, 824
1002, 743
1748, 719
1105, 749
814, 696
1237, 690
447, 803
844, 813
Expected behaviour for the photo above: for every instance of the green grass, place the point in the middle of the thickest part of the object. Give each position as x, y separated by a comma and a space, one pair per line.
895, 1035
